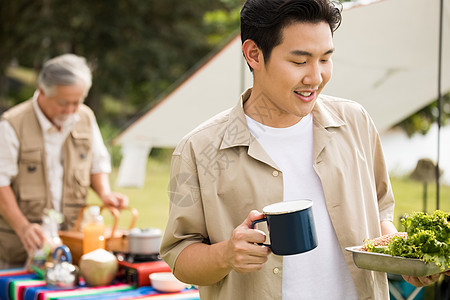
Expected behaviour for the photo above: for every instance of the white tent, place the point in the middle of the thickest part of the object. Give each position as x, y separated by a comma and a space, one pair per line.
386, 58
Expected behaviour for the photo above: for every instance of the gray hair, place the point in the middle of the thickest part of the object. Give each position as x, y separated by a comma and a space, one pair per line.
63, 70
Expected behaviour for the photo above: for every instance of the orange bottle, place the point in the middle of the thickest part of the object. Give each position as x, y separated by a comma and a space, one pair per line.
93, 230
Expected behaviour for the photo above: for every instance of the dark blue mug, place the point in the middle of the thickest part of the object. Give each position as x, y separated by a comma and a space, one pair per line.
291, 227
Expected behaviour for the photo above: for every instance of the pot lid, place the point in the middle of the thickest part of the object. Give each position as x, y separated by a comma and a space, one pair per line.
145, 232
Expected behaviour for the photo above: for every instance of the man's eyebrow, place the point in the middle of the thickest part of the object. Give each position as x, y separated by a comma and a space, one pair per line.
306, 53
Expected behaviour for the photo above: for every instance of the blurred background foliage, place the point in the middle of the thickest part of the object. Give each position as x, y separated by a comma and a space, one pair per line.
421, 121
138, 49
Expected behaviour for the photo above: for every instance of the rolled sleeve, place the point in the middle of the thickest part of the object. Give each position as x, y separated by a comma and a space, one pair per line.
101, 160
8, 153
186, 224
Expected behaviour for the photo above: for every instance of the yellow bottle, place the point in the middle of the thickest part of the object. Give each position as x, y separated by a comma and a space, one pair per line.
93, 230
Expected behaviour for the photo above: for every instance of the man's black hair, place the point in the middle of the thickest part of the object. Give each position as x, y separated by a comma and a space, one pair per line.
263, 20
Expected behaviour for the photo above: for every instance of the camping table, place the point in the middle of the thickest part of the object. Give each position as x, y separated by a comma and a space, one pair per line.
18, 284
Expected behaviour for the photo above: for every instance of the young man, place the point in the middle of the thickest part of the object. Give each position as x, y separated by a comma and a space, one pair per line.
51, 152
283, 141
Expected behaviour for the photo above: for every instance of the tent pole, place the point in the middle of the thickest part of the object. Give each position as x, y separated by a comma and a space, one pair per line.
441, 12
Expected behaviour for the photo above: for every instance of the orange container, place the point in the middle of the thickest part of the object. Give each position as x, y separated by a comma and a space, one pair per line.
116, 239
93, 236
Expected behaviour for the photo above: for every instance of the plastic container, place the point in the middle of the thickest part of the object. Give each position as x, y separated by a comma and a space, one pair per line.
93, 230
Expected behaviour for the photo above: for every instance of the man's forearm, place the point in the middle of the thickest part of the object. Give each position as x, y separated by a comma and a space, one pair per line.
387, 227
202, 264
100, 183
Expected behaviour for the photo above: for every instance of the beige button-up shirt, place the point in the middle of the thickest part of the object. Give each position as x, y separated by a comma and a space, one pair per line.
220, 173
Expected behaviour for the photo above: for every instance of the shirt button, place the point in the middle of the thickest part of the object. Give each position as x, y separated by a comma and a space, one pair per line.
275, 173
276, 271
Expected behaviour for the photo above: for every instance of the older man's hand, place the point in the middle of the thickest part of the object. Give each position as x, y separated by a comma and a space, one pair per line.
114, 199
32, 237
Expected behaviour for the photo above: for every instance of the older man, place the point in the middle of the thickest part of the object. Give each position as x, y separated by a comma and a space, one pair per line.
52, 151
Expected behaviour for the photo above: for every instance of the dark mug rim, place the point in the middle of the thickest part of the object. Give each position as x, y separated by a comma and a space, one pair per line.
290, 207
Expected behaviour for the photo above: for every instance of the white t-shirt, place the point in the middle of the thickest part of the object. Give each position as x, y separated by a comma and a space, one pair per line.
322, 272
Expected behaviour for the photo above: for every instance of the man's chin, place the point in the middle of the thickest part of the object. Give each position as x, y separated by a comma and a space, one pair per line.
62, 121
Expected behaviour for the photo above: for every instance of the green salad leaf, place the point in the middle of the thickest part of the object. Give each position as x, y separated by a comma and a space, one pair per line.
428, 239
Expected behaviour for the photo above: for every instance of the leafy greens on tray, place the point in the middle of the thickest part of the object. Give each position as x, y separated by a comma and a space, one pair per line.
428, 239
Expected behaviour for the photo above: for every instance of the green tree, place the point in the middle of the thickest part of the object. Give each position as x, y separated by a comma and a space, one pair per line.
421, 121
225, 21
137, 48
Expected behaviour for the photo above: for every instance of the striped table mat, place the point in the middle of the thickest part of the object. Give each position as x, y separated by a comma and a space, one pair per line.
7, 277
45, 293
18, 284
147, 292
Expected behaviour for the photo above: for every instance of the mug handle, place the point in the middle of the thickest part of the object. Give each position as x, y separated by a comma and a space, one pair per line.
253, 227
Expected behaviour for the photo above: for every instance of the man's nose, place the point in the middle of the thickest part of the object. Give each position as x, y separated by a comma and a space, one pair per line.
313, 75
70, 109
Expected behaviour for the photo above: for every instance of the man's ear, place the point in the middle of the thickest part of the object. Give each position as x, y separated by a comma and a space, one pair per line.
41, 91
252, 54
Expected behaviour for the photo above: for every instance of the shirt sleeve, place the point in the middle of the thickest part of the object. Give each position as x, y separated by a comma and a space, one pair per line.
8, 153
101, 161
186, 224
385, 195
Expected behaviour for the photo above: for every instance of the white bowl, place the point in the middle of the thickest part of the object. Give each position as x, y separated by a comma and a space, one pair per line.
166, 282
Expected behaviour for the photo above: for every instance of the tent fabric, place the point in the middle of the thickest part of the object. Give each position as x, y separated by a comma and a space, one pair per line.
386, 58
214, 87
133, 166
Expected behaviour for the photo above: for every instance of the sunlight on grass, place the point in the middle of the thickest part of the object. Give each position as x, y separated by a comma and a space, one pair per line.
409, 197
151, 200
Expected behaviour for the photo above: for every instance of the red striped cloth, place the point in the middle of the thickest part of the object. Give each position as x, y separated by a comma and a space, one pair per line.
22, 285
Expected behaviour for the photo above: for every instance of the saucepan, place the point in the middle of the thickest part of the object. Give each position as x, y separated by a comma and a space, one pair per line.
144, 241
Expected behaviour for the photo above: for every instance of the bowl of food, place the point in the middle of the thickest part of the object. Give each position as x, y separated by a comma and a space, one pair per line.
166, 282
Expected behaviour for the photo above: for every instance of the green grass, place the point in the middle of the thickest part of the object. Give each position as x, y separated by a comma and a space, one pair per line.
152, 200
409, 197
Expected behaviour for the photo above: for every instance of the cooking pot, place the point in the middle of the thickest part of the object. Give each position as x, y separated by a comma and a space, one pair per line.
144, 241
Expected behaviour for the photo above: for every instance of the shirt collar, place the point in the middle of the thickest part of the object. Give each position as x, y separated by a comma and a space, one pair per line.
237, 132
325, 117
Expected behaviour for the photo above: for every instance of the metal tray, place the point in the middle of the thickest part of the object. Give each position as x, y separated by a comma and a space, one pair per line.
392, 264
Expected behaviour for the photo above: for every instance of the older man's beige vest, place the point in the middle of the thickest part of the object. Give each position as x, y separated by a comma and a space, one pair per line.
31, 185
